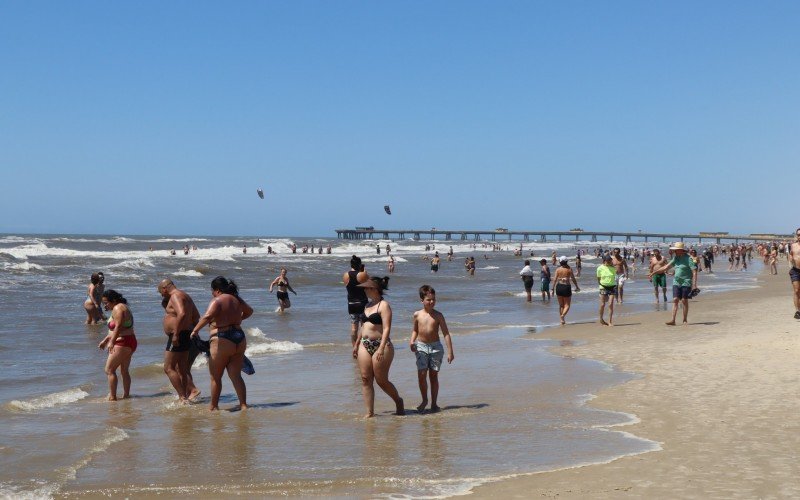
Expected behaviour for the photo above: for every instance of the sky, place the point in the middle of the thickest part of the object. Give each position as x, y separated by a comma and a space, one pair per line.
164, 118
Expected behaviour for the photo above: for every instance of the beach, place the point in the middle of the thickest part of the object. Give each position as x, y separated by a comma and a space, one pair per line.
518, 399
719, 395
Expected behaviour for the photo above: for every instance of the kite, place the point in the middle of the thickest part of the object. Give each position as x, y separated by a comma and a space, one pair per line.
260, 193
387, 210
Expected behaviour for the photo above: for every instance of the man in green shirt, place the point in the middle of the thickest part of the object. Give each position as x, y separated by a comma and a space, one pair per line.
682, 284
607, 279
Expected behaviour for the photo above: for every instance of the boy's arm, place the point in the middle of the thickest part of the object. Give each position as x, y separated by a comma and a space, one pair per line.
414, 333
447, 340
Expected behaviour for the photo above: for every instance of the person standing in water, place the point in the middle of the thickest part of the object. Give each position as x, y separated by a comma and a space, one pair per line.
120, 342
435, 263
545, 278
527, 278
180, 317
621, 265
373, 348
356, 297
92, 304
282, 282
658, 279
224, 315
427, 347
563, 289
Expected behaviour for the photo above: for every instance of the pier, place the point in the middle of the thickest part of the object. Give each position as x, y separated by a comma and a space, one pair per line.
371, 233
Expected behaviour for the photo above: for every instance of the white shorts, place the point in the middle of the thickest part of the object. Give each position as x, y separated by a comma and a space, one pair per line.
621, 279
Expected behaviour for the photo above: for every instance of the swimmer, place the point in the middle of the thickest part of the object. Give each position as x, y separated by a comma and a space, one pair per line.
282, 282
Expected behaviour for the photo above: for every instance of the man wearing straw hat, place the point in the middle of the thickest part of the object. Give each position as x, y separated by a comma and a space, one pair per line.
683, 281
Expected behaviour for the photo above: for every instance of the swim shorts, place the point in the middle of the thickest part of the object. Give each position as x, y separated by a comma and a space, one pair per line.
435, 268
681, 292
528, 282
355, 309
563, 290
282, 295
621, 279
429, 356
608, 290
660, 280
794, 274
184, 342
545, 285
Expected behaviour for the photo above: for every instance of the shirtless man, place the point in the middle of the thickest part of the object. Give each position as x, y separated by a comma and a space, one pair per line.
427, 347
658, 279
621, 265
180, 317
794, 272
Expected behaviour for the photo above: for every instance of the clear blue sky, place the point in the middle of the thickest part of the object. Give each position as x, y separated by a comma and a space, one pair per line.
164, 117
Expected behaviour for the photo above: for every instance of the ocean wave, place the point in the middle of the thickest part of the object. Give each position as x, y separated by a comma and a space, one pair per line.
50, 400
489, 267
22, 266
191, 273
275, 346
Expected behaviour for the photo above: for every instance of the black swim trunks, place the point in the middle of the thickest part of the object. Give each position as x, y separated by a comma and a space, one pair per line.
184, 342
283, 295
794, 274
563, 290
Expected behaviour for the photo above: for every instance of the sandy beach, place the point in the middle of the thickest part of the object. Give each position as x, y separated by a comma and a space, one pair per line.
719, 394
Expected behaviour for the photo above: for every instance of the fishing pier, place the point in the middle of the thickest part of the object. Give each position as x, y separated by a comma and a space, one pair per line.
370, 233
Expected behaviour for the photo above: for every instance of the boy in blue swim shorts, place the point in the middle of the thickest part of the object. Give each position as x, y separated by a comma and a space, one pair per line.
428, 348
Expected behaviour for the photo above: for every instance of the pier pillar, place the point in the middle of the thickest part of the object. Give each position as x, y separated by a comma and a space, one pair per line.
611, 237
448, 236
559, 238
493, 236
663, 239
627, 238
463, 236
526, 237
594, 238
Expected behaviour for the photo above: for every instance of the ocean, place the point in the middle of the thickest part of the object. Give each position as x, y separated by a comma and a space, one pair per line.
510, 406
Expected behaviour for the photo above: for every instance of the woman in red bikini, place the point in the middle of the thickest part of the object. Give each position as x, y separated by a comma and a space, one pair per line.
120, 342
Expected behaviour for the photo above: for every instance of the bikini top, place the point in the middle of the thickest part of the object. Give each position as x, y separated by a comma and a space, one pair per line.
374, 318
281, 283
125, 324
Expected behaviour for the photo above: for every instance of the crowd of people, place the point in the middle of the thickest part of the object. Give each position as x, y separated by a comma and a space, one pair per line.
371, 315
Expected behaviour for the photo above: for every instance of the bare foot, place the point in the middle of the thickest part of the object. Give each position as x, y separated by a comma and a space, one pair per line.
369, 415
563, 322
610, 323
400, 408
435, 409
422, 405
243, 406
112, 398
603, 322
193, 395
213, 408
670, 323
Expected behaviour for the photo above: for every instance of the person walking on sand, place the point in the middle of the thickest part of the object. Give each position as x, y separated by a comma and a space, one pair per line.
282, 282
659, 279
224, 315
607, 279
120, 342
180, 317
562, 287
427, 347
527, 278
621, 266
373, 348
682, 283
794, 272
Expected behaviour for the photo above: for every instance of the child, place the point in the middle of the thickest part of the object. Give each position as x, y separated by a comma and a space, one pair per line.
427, 347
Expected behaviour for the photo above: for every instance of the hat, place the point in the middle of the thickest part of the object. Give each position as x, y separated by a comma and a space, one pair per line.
678, 246
563, 258
368, 284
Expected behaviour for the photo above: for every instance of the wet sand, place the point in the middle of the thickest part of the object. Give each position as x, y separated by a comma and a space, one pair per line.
720, 395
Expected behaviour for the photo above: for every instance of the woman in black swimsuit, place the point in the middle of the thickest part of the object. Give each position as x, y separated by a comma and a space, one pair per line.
356, 298
225, 314
373, 349
563, 289
282, 282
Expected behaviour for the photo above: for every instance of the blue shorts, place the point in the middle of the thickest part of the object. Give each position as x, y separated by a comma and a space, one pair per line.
429, 356
681, 292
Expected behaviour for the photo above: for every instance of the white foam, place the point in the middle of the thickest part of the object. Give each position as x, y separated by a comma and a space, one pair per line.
489, 267
22, 266
279, 346
191, 273
50, 400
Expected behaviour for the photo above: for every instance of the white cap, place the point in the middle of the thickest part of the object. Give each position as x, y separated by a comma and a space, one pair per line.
563, 258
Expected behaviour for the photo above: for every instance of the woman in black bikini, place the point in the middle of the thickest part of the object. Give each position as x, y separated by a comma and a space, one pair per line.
373, 349
282, 282
563, 289
225, 315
